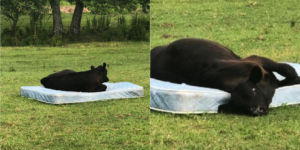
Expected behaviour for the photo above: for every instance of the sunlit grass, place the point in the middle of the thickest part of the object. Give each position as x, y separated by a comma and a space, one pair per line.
118, 124
247, 27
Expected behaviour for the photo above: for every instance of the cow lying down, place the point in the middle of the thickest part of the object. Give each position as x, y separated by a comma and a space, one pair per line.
199, 62
86, 81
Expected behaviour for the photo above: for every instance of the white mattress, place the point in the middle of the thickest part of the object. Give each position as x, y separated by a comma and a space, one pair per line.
119, 90
187, 99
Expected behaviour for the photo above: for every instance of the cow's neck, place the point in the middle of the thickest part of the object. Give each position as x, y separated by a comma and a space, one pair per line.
226, 74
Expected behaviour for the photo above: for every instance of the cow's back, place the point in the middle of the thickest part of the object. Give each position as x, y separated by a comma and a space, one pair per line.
184, 60
69, 80
199, 49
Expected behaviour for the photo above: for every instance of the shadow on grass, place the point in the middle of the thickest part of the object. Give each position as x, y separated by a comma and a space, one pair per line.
103, 103
185, 116
222, 110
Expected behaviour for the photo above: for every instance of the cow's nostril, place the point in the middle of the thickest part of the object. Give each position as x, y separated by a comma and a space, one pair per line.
260, 109
257, 110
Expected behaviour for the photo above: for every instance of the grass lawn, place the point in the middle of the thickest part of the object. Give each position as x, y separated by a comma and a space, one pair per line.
269, 28
118, 124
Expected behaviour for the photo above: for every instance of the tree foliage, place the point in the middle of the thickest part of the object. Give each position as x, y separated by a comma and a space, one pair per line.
114, 6
12, 10
37, 12
38, 9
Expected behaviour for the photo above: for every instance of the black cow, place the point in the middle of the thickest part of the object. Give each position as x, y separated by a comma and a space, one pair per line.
205, 63
61, 73
86, 81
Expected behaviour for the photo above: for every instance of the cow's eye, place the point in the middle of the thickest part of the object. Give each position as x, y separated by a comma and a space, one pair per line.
254, 91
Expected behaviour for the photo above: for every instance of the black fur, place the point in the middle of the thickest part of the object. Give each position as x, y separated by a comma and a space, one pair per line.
86, 81
205, 63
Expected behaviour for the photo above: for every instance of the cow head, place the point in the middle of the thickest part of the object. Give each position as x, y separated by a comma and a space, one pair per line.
101, 71
254, 95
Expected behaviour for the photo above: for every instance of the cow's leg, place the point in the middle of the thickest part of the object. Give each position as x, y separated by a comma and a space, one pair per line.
283, 69
289, 81
88, 89
101, 88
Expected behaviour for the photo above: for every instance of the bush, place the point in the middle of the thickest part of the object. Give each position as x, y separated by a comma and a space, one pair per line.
122, 28
20, 32
7, 40
115, 34
124, 11
94, 23
88, 24
139, 28
42, 36
26, 36
7, 31
119, 32
57, 41
28, 40
99, 24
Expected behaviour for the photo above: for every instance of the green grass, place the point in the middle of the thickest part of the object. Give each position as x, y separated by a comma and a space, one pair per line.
117, 124
262, 28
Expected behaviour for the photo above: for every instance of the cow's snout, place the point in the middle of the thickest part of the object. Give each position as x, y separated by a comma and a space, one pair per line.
259, 110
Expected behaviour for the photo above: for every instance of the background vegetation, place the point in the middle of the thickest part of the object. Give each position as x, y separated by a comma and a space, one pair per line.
33, 24
267, 28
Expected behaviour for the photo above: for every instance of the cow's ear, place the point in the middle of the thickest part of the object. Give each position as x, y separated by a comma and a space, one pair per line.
92, 67
104, 66
255, 74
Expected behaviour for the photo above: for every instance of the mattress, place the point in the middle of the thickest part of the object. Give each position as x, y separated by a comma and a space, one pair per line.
114, 91
187, 99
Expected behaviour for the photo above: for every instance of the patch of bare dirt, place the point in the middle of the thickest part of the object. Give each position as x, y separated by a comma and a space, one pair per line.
70, 9
166, 25
172, 36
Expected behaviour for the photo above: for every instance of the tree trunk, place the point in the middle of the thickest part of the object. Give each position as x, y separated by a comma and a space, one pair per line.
57, 22
76, 19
